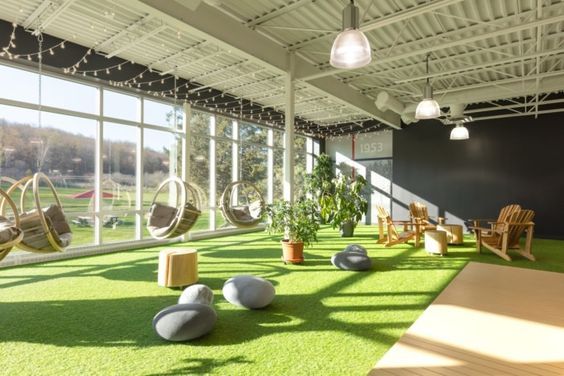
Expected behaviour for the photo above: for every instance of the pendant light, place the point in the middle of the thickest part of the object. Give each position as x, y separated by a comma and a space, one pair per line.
428, 108
351, 48
460, 132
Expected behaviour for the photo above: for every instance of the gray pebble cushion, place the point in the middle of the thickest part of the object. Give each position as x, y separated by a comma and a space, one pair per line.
355, 248
199, 293
249, 291
351, 261
183, 322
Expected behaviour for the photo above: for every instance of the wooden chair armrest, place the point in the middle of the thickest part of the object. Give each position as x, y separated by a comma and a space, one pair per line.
407, 223
481, 219
480, 228
520, 223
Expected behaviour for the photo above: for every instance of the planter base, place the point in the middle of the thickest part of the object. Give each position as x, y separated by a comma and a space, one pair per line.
292, 252
347, 230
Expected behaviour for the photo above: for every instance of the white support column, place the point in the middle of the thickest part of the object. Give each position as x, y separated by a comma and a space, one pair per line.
139, 179
309, 155
235, 155
185, 173
289, 133
212, 171
99, 169
270, 169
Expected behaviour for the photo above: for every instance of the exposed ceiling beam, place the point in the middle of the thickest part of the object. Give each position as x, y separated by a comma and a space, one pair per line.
137, 41
56, 13
387, 20
37, 12
211, 24
463, 57
192, 62
278, 12
444, 45
135, 25
495, 63
505, 89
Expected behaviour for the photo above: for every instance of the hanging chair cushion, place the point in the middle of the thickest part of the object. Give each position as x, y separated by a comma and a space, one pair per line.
242, 213
256, 208
183, 322
161, 216
62, 232
58, 219
8, 231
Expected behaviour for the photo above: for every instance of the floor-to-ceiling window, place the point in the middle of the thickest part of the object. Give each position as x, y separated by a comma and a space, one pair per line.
89, 138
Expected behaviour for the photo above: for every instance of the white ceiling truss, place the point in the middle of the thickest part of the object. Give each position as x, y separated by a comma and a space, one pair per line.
484, 53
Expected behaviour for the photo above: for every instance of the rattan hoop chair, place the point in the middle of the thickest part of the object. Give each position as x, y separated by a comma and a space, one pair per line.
243, 216
45, 230
10, 231
166, 222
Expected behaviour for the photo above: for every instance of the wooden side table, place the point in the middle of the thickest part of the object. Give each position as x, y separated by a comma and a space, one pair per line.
178, 267
454, 233
436, 242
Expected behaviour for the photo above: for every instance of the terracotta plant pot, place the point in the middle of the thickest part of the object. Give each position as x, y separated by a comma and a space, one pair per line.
292, 252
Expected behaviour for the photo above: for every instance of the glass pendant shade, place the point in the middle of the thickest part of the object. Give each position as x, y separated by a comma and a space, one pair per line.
428, 108
460, 132
350, 50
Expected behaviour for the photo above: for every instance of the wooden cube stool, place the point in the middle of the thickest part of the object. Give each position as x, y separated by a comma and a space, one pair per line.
436, 242
454, 233
178, 267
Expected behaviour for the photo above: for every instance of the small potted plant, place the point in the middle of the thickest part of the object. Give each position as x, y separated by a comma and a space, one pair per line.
299, 222
348, 203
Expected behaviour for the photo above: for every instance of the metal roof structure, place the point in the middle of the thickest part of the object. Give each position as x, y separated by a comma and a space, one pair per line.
501, 57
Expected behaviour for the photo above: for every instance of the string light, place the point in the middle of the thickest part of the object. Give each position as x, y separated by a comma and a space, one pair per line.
235, 106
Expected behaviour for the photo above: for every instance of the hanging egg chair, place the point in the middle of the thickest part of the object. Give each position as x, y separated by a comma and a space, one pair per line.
166, 222
243, 214
46, 230
10, 231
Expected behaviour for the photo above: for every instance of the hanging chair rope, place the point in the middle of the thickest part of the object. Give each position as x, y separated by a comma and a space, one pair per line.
245, 216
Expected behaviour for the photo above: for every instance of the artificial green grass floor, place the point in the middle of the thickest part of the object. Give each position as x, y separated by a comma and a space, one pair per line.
92, 315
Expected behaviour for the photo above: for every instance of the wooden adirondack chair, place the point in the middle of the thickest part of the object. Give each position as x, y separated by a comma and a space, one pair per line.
508, 233
418, 213
504, 214
391, 236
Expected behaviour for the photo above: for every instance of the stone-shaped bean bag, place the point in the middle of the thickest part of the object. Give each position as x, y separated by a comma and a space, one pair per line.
355, 248
183, 322
351, 261
248, 291
199, 293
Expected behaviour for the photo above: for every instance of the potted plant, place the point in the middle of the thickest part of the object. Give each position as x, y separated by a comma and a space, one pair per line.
348, 204
319, 184
299, 222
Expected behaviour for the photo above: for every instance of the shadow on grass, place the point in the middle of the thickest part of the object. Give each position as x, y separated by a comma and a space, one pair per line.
201, 366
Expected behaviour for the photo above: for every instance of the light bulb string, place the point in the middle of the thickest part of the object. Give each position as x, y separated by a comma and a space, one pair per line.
208, 102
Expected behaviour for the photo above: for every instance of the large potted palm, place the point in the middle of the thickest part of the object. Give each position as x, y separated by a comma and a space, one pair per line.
319, 184
348, 204
299, 222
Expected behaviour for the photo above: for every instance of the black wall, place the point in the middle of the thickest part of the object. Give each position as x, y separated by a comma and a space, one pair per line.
517, 160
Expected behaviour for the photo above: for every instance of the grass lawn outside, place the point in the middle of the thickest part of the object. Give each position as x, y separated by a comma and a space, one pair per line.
93, 315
